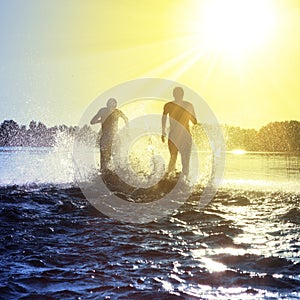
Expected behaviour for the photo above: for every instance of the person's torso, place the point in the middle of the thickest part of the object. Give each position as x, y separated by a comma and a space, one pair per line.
180, 114
110, 123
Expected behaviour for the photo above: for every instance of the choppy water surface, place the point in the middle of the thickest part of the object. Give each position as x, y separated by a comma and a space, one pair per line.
55, 245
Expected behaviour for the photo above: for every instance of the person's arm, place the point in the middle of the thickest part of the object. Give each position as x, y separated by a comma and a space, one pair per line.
163, 125
193, 115
124, 117
97, 118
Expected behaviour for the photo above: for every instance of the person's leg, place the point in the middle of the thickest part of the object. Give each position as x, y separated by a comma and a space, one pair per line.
186, 155
173, 156
104, 158
105, 153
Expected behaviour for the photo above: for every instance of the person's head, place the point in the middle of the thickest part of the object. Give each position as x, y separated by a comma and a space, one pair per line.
111, 103
178, 93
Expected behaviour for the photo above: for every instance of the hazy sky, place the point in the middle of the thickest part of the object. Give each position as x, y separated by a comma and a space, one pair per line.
58, 55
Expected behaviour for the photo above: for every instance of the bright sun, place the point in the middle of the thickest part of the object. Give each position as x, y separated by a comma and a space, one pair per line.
233, 28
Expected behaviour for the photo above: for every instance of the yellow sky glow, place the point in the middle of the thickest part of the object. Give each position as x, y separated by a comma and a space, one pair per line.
234, 29
241, 56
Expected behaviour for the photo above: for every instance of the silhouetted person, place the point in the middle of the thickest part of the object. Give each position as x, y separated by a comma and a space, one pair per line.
180, 114
108, 117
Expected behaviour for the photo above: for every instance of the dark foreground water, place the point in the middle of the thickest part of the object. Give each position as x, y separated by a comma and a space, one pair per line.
55, 245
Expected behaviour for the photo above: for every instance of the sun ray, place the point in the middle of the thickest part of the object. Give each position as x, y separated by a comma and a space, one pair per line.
178, 64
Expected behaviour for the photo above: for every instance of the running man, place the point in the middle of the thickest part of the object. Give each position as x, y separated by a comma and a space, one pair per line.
179, 139
108, 117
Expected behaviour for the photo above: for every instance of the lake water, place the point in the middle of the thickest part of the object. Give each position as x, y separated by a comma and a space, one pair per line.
244, 245
250, 170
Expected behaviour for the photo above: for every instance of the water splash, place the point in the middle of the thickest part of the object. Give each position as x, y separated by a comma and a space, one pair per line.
38, 165
55, 165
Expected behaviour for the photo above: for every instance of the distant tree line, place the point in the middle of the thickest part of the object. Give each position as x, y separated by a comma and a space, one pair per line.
274, 137
38, 134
